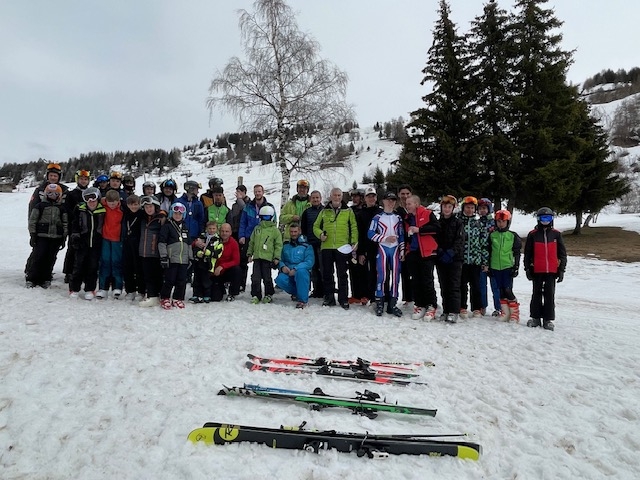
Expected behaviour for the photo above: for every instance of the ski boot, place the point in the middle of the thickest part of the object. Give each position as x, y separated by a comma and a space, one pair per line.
379, 307
533, 322
548, 325
393, 306
451, 318
514, 307
504, 310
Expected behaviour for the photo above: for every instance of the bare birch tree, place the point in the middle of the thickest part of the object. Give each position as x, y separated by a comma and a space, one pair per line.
282, 87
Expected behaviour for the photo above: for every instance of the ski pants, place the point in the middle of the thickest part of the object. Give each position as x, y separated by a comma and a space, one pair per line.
316, 272
358, 278
261, 274
132, 267
470, 285
388, 267
111, 264
543, 299
202, 281
297, 285
85, 268
495, 291
175, 278
423, 285
42, 259
244, 265
449, 278
151, 275
331, 258
230, 275
503, 280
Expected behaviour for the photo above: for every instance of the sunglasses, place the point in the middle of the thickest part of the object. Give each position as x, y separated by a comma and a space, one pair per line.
179, 208
546, 218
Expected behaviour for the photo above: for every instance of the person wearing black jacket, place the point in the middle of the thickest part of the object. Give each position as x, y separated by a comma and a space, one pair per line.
72, 200
363, 274
307, 220
449, 260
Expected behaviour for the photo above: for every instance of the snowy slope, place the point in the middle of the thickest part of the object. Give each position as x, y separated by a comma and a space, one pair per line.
99, 390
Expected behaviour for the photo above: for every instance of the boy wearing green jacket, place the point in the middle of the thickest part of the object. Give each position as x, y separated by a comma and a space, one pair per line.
265, 245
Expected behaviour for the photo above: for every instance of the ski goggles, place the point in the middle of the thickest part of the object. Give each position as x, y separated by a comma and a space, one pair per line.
148, 200
90, 197
178, 208
546, 218
450, 199
83, 173
473, 200
116, 176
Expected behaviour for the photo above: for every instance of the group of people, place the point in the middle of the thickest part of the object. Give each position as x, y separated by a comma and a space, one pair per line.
151, 246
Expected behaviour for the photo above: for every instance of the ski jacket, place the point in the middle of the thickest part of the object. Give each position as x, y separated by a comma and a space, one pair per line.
173, 242
230, 256
504, 250
207, 199
73, 199
476, 241
297, 254
112, 229
194, 217
309, 216
544, 251
295, 206
220, 214
209, 254
265, 242
48, 220
428, 226
364, 216
488, 222
450, 240
339, 224
165, 202
150, 235
88, 225
250, 217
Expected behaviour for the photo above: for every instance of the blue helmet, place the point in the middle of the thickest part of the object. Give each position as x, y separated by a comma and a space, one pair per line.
102, 178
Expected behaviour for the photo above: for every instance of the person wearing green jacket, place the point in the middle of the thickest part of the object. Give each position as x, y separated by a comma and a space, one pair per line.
292, 210
218, 212
265, 245
337, 229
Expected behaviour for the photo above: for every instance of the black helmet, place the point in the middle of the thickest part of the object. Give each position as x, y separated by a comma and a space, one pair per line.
545, 211
169, 183
191, 185
215, 182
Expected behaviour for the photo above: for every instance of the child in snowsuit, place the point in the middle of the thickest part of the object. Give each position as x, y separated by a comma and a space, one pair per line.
485, 212
131, 264
175, 253
545, 260
48, 229
265, 246
86, 241
450, 241
386, 229
504, 262
207, 248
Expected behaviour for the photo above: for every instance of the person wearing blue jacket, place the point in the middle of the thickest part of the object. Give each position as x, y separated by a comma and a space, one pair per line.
194, 218
296, 262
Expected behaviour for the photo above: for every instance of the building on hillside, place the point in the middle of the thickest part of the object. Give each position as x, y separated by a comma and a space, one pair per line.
7, 185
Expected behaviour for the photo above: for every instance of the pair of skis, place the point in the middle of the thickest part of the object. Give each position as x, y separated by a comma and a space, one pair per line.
360, 370
365, 403
364, 444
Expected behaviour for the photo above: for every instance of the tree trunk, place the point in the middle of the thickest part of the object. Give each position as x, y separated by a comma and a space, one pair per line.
576, 230
286, 180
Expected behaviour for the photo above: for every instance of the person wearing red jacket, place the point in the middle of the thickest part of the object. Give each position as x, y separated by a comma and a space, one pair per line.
227, 269
422, 227
545, 260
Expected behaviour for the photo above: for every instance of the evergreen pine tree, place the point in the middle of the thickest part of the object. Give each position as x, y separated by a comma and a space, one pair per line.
438, 155
491, 51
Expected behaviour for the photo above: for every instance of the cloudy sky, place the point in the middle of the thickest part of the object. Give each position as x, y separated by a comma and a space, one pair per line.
83, 75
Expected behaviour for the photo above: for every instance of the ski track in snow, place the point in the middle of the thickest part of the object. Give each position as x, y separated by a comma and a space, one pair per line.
109, 390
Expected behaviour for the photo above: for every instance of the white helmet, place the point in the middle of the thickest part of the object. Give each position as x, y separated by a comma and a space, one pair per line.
267, 211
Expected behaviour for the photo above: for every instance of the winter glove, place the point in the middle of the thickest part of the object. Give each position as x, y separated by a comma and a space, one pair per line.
32, 241
514, 271
560, 276
529, 274
164, 262
75, 241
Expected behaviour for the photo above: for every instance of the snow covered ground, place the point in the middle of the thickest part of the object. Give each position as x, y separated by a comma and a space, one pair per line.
106, 389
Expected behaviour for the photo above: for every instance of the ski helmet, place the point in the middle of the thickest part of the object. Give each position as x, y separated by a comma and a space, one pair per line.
116, 175
470, 199
102, 178
215, 182
149, 184
54, 168
171, 183
91, 193
149, 200
487, 203
191, 186
82, 173
545, 214
450, 199
503, 215
53, 191
177, 207
267, 213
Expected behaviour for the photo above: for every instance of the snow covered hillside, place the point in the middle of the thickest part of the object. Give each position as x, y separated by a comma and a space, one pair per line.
105, 389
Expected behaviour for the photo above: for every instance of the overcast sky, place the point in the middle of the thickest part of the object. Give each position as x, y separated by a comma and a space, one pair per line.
84, 75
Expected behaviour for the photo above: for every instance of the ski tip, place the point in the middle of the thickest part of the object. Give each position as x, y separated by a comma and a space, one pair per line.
469, 453
203, 434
